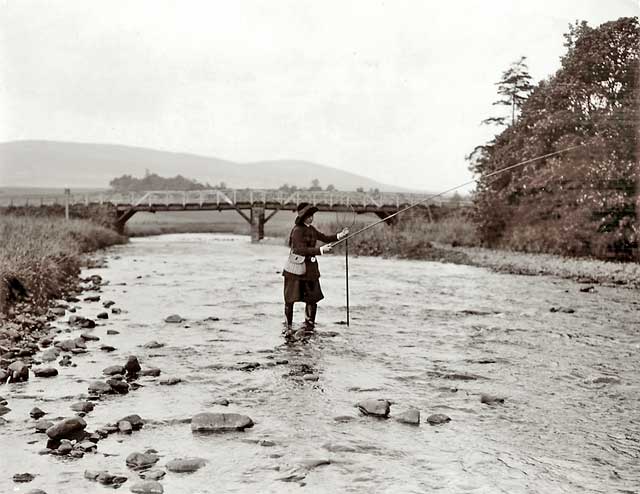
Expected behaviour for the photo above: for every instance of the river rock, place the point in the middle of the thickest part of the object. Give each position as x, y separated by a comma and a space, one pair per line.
490, 399
92, 298
411, 416
42, 425
82, 322
174, 319
120, 387
377, 408
116, 310
112, 370
222, 401
99, 388
104, 477
18, 371
153, 344
65, 361
107, 348
82, 406
65, 345
66, 428
151, 371
89, 337
171, 381
103, 315
606, 380
135, 420
438, 418
58, 311
45, 372
141, 461
4, 410
108, 303
125, 427
50, 355
23, 477
132, 366
36, 413
220, 422
153, 475
183, 465
86, 446
36, 491
147, 487
65, 448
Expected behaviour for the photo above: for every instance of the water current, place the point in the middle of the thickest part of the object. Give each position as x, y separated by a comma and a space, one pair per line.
423, 335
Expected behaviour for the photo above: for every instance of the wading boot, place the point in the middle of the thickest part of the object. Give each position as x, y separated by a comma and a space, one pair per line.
310, 317
288, 324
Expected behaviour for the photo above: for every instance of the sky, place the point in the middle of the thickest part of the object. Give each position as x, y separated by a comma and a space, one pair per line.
394, 90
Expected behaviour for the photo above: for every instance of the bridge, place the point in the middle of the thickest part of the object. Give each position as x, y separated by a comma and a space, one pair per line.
256, 206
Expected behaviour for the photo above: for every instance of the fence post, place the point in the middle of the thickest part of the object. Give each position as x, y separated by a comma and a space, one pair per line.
67, 192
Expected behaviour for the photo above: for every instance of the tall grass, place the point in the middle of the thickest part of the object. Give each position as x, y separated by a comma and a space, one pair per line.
43, 254
412, 236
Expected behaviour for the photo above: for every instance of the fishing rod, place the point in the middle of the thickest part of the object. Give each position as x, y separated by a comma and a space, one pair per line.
502, 170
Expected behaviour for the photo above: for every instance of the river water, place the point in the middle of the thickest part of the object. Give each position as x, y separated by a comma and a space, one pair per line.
425, 335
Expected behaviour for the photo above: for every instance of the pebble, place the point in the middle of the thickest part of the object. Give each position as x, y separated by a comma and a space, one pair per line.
45, 372
112, 332
89, 337
107, 348
102, 315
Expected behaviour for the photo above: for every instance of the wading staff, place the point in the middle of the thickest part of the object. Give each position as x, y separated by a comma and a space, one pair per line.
502, 170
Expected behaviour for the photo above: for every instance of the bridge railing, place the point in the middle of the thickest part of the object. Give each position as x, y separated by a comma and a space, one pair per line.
227, 196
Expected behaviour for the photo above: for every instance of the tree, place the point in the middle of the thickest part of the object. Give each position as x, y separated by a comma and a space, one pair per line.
315, 185
330, 188
514, 87
582, 202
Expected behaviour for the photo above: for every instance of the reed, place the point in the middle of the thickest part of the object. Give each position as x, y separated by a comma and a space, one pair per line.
43, 255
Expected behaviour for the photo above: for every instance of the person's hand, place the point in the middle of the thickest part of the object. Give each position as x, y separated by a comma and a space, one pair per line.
326, 248
343, 233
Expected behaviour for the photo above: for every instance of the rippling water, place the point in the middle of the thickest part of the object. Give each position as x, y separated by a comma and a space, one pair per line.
425, 335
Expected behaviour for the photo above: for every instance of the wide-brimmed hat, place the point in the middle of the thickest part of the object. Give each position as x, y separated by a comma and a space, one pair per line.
305, 212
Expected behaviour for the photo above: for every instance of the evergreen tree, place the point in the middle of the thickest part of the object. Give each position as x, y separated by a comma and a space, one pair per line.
514, 87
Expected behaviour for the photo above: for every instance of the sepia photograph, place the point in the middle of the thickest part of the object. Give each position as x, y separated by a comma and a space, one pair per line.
294, 246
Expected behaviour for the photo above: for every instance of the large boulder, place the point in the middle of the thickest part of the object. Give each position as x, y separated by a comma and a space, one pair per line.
66, 428
220, 422
377, 408
45, 372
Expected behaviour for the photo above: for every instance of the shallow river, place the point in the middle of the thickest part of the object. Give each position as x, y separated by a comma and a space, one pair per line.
425, 335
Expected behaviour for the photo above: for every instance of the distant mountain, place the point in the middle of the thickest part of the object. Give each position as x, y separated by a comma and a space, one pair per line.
83, 165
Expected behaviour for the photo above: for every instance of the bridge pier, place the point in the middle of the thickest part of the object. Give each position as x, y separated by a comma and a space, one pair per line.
257, 223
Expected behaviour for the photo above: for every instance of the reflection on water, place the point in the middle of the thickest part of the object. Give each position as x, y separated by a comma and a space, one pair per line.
424, 335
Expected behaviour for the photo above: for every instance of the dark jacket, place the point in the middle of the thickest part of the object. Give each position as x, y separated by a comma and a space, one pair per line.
303, 241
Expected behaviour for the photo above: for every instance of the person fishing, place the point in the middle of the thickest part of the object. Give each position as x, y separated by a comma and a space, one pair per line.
301, 273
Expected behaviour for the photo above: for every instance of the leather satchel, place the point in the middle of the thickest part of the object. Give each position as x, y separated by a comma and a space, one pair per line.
295, 264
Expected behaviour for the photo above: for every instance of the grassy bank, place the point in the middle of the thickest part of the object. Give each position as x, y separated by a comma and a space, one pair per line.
412, 237
42, 256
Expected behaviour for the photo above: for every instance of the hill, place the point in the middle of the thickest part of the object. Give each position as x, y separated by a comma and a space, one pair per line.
82, 165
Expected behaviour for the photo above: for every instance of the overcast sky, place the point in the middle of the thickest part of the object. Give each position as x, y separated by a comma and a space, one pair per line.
394, 90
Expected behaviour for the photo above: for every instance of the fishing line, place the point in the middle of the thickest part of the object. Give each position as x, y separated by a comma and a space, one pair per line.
502, 170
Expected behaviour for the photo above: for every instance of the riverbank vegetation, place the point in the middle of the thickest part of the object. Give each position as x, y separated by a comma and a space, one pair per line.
40, 257
582, 202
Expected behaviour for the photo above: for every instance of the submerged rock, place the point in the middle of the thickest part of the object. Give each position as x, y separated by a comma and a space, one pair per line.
82, 406
42, 425
490, 399
147, 487
135, 420
174, 319
153, 344
220, 422
182, 465
377, 408
438, 418
99, 388
151, 371
141, 461
153, 475
36, 413
113, 370
23, 477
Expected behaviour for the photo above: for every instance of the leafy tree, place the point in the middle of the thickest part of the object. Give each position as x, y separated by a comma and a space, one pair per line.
330, 188
582, 202
514, 87
152, 181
